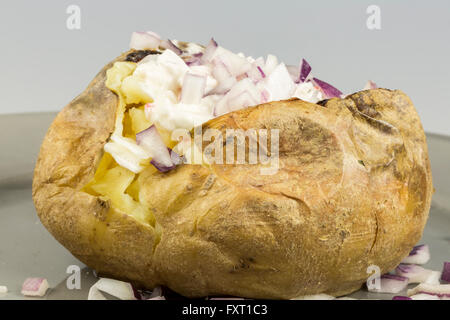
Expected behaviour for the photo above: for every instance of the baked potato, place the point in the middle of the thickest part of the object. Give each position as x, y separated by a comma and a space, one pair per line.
353, 189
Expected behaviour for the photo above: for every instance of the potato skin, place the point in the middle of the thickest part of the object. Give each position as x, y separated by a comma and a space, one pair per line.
353, 190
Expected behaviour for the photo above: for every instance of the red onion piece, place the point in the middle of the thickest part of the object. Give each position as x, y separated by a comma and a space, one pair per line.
294, 72
243, 100
119, 289
305, 70
419, 255
144, 40
167, 44
401, 298
151, 140
193, 88
279, 84
417, 274
234, 63
446, 272
327, 89
261, 71
391, 284
209, 51
34, 287
439, 290
370, 85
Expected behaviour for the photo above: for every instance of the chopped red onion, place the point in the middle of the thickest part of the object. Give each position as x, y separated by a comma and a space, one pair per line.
193, 88
417, 274
119, 289
279, 84
419, 255
156, 294
175, 157
265, 96
305, 70
167, 44
446, 272
209, 51
439, 290
243, 100
144, 40
391, 284
370, 85
294, 72
34, 287
95, 294
401, 298
271, 64
327, 89
261, 71
234, 63
151, 141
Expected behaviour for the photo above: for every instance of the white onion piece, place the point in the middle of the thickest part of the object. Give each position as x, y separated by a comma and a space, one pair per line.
440, 290
119, 289
244, 99
417, 274
391, 284
279, 84
193, 88
95, 294
167, 44
3, 289
294, 71
34, 287
144, 40
423, 296
419, 255
271, 64
321, 296
151, 140
234, 63
209, 51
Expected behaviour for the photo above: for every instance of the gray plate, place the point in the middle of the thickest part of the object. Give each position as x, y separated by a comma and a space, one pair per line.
27, 249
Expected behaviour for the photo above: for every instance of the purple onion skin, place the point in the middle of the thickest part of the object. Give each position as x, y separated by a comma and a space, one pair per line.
305, 70
401, 298
394, 277
161, 167
446, 272
416, 248
328, 89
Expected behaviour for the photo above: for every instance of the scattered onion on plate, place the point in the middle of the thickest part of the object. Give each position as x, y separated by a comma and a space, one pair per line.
419, 255
119, 289
34, 287
446, 272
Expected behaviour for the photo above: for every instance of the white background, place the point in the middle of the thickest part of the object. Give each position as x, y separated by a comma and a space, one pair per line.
44, 65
